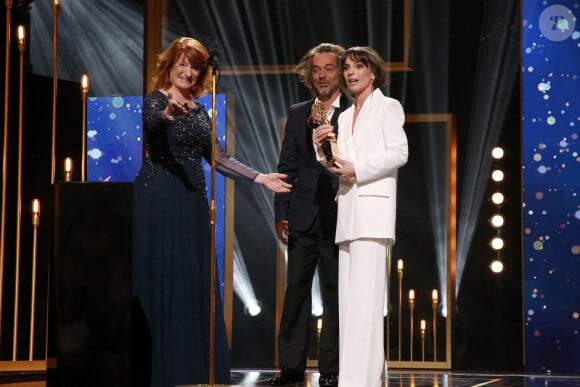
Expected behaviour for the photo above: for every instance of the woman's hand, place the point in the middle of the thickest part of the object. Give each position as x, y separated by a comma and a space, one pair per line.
174, 109
273, 181
320, 134
343, 169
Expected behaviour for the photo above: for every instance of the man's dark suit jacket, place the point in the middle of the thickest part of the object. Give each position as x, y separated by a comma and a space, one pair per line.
313, 186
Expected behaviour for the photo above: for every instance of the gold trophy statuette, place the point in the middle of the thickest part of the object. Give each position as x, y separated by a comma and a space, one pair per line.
317, 117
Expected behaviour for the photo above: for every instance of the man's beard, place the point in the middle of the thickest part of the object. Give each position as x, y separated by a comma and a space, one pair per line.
327, 90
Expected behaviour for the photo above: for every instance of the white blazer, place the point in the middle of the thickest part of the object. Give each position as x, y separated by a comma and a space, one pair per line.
377, 146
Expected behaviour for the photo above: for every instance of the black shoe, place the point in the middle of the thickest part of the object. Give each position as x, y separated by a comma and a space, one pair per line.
328, 380
287, 376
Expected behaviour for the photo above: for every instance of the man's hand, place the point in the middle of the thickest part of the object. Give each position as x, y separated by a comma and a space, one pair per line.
320, 134
282, 231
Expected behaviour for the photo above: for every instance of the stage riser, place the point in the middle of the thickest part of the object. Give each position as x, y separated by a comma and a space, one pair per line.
92, 299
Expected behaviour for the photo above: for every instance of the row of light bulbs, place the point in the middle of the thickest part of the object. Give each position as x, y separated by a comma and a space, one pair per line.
497, 220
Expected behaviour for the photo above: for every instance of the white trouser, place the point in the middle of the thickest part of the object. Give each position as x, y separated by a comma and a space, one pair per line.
362, 266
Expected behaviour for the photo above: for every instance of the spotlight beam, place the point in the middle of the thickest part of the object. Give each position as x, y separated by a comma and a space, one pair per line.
242, 282
108, 28
438, 202
496, 76
317, 307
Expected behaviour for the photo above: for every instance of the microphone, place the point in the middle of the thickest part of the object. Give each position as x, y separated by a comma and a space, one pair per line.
213, 59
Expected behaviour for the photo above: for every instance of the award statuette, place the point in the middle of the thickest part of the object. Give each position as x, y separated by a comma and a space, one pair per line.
317, 117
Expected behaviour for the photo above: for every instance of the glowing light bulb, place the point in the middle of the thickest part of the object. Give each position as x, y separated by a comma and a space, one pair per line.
497, 152
85, 83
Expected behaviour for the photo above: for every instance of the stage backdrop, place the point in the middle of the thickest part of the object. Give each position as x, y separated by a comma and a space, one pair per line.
551, 184
115, 149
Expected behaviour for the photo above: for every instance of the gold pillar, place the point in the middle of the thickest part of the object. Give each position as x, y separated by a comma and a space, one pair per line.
84, 94
423, 327
400, 278
55, 10
5, 152
35, 223
411, 310
68, 167
435, 299
155, 13
19, 190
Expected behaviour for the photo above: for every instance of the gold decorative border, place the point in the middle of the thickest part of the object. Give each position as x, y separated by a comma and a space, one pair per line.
23, 365
451, 184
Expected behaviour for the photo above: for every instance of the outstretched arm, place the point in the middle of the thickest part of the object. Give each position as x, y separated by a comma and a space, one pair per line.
273, 181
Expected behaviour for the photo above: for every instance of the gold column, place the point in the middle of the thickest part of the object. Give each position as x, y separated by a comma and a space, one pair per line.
5, 152
423, 327
400, 278
435, 299
155, 12
213, 264
55, 9
84, 94
318, 332
21, 47
411, 309
68, 169
35, 223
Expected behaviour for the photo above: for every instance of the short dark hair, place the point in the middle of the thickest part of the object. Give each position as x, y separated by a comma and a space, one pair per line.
370, 58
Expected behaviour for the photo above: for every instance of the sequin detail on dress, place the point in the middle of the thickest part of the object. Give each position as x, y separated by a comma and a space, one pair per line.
177, 147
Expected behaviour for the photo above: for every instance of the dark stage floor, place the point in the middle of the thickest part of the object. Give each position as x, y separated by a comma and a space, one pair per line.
396, 378
418, 378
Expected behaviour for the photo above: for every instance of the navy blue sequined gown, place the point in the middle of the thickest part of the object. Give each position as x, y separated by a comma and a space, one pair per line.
171, 251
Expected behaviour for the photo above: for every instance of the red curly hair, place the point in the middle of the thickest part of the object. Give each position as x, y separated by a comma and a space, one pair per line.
196, 54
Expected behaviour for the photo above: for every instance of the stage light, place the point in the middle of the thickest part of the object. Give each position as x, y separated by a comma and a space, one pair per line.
497, 198
496, 243
21, 35
496, 266
316, 309
497, 153
68, 169
253, 308
243, 285
497, 175
251, 378
497, 221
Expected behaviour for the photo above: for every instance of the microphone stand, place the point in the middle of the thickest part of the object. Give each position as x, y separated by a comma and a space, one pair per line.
212, 60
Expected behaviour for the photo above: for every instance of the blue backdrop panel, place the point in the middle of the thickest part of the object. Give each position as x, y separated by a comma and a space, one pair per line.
115, 148
551, 176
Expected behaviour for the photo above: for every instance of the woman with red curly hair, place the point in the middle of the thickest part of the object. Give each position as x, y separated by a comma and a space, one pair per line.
171, 270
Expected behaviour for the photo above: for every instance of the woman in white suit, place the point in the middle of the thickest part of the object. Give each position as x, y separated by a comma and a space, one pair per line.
372, 146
